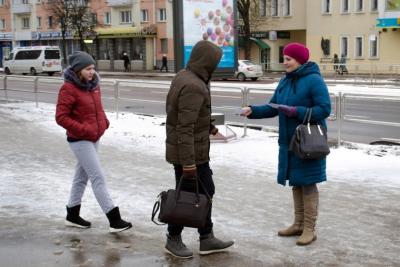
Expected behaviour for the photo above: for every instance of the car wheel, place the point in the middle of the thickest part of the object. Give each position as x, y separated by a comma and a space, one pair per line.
50, 73
241, 77
7, 71
254, 78
33, 72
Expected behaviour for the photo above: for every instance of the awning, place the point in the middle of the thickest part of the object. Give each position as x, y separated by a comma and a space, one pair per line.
260, 43
122, 32
388, 23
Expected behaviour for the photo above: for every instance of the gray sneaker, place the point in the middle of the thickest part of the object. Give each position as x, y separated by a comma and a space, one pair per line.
210, 244
177, 248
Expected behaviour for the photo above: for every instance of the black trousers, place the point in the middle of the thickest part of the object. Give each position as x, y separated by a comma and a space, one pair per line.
204, 173
164, 66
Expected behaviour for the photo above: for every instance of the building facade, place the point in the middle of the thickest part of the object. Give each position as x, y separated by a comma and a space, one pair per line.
366, 32
141, 28
355, 29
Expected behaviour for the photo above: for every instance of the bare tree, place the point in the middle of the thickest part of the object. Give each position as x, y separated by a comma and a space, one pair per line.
76, 17
253, 13
60, 12
82, 21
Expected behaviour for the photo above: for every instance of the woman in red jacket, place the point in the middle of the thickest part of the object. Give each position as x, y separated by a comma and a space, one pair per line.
80, 112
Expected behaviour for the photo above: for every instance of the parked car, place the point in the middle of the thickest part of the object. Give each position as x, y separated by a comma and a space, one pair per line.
247, 69
33, 60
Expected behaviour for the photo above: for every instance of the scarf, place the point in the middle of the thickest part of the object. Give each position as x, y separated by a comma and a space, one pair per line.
70, 76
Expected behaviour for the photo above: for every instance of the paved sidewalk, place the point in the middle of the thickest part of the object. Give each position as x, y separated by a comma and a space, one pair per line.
358, 225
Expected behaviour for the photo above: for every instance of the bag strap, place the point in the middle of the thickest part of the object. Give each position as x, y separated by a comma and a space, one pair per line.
156, 209
307, 116
198, 180
205, 190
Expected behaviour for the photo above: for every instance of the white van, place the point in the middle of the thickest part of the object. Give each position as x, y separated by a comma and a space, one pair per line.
33, 60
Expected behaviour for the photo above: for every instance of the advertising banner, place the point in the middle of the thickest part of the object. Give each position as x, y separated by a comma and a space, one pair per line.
211, 20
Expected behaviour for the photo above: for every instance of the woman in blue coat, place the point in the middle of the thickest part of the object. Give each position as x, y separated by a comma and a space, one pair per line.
301, 88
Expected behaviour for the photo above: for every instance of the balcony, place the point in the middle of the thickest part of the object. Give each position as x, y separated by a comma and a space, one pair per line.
21, 7
118, 3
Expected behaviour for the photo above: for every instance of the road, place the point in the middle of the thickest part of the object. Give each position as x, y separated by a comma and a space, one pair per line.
150, 100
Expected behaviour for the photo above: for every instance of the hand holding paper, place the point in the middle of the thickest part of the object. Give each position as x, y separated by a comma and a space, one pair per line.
245, 111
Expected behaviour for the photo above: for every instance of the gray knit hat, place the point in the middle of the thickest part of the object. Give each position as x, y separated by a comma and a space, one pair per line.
79, 60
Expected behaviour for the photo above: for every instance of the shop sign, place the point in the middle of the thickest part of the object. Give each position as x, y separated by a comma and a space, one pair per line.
259, 35
6, 36
49, 35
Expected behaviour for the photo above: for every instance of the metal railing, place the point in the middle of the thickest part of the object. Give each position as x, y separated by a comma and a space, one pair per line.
339, 103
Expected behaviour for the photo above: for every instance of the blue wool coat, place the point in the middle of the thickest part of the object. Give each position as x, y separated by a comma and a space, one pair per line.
303, 88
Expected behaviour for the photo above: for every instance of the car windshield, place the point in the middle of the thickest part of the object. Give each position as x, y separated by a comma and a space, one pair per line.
247, 62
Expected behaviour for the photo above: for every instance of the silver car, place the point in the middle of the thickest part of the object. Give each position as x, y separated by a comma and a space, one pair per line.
248, 69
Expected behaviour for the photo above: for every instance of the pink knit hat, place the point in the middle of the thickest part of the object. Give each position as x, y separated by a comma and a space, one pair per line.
297, 51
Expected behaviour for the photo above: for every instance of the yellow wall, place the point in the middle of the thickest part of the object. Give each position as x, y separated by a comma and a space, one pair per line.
335, 25
389, 47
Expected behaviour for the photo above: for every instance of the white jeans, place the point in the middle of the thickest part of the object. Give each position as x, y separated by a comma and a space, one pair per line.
88, 167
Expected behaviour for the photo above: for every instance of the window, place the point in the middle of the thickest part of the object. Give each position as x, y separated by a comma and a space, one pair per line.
50, 21
359, 5
107, 18
125, 17
344, 46
374, 5
164, 45
38, 22
274, 8
1, 2
281, 54
358, 47
373, 46
145, 15
286, 8
93, 18
52, 54
25, 2
2, 24
162, 14
29, 54
326, 6
25, 23
345, 6
262, 6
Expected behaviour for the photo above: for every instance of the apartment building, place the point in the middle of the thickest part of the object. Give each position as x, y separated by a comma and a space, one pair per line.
141, 28
353, 28
6, 35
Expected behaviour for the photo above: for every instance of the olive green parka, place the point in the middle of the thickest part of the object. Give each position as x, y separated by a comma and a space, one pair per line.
188, 108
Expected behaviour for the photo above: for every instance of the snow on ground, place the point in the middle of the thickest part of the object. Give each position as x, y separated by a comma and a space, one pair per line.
357, 225
373, 164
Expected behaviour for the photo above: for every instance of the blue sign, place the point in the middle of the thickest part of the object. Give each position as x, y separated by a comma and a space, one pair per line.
227, 59
388, 23
6, 36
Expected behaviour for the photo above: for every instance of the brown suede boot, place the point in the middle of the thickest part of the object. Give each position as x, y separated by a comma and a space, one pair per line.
297, 227
310, 218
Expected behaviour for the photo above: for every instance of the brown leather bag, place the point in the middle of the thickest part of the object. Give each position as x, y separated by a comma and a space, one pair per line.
184, 208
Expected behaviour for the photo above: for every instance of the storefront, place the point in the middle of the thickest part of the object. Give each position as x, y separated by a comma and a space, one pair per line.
5, 45
112, 43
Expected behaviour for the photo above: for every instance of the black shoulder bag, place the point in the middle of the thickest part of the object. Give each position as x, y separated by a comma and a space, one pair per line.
309, 141
184, 208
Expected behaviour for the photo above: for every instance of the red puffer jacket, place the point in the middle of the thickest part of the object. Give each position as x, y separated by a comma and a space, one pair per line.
81, 112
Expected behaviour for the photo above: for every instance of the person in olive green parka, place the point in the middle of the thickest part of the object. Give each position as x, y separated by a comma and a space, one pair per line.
188, 129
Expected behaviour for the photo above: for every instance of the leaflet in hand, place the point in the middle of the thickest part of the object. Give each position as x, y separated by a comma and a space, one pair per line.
239, 111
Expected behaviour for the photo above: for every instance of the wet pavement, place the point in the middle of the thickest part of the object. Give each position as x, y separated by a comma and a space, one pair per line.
359, 223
